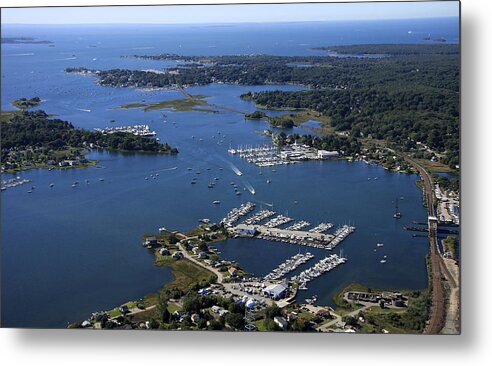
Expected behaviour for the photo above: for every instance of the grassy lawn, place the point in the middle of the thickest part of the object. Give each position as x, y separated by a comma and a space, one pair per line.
260, 325
172, 307
305, 315
261, 106
449, 244
131, 105
395, 320
343, 306
114, 313
6, 116
304, 116
434, 167
186, 273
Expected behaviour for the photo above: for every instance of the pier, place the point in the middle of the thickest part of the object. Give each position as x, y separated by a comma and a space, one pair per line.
288, 266
277, 221
304, 238
236, 213
261, 156
298, 225
323, 266
321, 228
270, 155
137, 130
259, 216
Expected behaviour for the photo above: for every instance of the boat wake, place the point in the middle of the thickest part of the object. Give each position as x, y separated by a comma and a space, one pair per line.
167, 169
232, 166
20, 54
83, 110
250, 188
67, 58
266, 203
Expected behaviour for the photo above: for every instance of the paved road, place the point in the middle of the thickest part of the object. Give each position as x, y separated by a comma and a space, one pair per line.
220, 276
355, 313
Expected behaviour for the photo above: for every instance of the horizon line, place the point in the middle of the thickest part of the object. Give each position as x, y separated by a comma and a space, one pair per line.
246, 22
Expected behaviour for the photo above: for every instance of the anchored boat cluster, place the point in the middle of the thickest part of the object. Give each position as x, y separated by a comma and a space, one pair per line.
277, 221
262, 156
137, 130
341, 234
270, 230
323, 266
305, 238
288, 266
236, 213
270, 155
298, 225
13, 182
321, 228
259, 216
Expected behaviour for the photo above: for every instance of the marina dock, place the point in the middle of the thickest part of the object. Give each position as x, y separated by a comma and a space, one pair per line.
321, 228
137, 130
259, 216
304, 238
288, 266
323, 266
278, 221
236, 213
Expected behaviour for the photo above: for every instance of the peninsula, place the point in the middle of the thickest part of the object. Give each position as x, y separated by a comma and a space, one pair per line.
34, 140
413, 95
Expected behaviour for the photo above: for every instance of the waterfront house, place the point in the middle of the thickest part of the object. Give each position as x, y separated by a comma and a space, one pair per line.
281, 322
150, 241
124, 309
232, 271
177, 255
216, 309
323, 154
202, 255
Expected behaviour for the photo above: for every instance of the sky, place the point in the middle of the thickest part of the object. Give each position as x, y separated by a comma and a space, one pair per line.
194, 14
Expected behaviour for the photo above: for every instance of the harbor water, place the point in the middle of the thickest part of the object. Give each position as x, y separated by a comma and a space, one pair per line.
68, 251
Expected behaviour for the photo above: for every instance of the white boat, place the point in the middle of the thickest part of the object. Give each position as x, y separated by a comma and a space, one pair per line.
379, 245
216, 202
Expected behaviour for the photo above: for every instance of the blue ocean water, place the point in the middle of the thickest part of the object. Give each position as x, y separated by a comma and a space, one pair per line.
69, 251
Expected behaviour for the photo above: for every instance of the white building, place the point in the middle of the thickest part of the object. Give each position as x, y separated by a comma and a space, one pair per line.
324, 154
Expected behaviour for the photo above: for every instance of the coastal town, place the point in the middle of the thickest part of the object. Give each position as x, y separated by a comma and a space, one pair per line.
310, 217
230, 299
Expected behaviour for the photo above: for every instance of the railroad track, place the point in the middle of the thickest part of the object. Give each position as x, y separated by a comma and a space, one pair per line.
438, 308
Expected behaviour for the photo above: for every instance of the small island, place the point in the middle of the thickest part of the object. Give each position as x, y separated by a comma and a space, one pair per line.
24, 103
195, 103
23, 40
33, 140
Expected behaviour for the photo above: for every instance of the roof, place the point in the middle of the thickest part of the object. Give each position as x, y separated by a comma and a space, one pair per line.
276, 289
